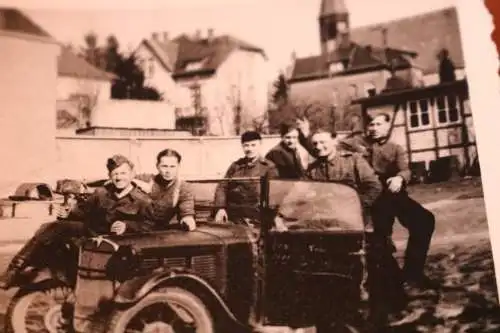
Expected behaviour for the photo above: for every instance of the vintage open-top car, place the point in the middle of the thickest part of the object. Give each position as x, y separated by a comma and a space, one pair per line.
223, 277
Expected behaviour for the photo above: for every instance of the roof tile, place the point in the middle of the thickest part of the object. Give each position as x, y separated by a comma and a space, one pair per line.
69, 64
426, 34
183, 50
12, 19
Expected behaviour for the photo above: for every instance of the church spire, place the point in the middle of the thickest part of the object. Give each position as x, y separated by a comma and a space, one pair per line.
333, 24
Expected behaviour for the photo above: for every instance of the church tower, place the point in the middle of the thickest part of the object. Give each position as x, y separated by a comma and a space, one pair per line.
333, 25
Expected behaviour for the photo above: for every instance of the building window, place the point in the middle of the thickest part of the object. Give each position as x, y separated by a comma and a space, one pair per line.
331, 29
447, 109
419, 113
336, 67
151, 67
194, 65
196, 97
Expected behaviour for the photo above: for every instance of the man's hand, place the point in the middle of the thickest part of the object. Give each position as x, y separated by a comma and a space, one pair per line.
62, 212
221, 216
118, 227
279, 224
395, 184
304, 126
189, 222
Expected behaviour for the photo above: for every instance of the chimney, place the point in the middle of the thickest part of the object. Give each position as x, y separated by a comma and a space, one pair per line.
294, 56
210, 34
384, 32
154, 36
165, 37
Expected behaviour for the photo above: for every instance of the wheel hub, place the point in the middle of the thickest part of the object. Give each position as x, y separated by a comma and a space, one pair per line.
158, 327
53, 319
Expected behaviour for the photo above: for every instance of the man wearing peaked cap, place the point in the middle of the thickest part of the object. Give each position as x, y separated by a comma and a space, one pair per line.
117, 207
239, 199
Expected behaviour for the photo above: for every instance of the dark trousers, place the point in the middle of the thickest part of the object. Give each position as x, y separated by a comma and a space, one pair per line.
420, 224
49, 233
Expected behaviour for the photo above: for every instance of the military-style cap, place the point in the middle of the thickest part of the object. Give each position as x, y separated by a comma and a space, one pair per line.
117, 160
250, 136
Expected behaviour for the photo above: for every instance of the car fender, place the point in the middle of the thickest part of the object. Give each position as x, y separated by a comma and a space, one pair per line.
135, 289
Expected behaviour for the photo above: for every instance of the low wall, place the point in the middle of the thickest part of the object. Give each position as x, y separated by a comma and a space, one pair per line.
85, 156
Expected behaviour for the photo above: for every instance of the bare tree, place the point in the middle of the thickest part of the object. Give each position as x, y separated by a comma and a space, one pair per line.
86, 99
320, 114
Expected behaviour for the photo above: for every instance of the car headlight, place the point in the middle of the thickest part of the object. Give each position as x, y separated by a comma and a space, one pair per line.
122, 264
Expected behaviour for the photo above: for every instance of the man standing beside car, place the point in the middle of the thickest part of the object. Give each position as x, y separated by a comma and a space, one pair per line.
390, 162
118, 207
334, 163
239, 199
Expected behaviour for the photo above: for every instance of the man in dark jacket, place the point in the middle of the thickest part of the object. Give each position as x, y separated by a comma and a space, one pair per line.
239, 199
390, 162
336, 163
286, 156
118, 207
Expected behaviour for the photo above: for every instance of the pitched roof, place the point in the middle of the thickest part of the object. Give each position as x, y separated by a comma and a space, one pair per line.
425, 34
13, 20
69, 64
358, 58
180, 52
165, 52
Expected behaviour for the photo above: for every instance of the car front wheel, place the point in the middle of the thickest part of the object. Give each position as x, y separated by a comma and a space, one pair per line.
38, 310
170, 309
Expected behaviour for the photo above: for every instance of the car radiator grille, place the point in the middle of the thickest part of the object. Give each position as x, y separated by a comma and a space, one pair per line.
203, 265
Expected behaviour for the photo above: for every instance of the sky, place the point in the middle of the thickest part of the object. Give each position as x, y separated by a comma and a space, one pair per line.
278, 26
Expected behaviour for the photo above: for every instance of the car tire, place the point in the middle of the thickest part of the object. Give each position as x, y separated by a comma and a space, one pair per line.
48, 297
191, 307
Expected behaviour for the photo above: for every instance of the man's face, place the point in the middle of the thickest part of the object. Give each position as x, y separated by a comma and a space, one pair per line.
378, 128
291, 139
323, 143
121, 177
168, 167
251, 149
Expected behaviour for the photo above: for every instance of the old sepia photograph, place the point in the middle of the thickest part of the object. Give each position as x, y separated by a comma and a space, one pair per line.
289, 166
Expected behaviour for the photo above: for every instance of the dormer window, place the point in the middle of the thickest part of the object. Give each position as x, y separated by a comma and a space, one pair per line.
336, 67
194, 65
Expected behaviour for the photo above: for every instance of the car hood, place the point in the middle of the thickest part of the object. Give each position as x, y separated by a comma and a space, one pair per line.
204, 235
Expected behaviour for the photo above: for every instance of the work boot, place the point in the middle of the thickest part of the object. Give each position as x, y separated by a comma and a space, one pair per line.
8, 278
422, 283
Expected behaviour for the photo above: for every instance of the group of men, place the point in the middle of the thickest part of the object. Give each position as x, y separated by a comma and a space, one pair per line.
377, 167
122, 205
368, 161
